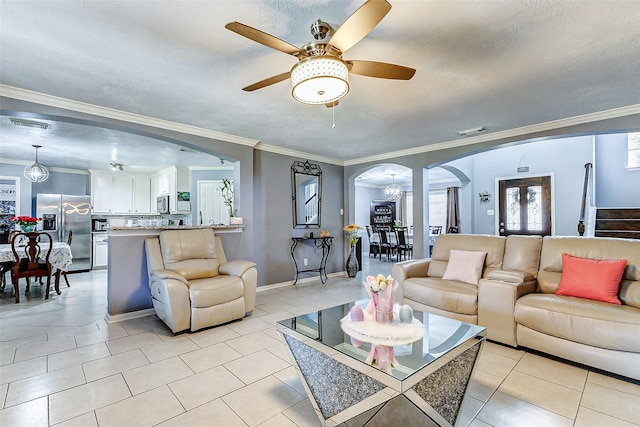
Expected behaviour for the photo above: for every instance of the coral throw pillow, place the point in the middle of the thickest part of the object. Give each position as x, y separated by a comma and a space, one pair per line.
591, 278
465, 266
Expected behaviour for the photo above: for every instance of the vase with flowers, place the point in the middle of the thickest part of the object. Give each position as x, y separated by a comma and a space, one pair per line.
381, 289
352, 237
27, 224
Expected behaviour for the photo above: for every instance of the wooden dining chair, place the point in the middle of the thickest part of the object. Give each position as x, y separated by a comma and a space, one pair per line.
403, 247
5, 267
32, 260
386, 245
374, 243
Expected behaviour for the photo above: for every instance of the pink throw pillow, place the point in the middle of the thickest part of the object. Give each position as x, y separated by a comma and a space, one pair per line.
596, 279
465, 266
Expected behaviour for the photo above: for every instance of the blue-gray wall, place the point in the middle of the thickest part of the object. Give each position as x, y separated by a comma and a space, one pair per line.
563, 158
273, 216
616, 186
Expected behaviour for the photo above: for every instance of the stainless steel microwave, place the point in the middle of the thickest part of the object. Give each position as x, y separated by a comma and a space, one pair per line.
163, 204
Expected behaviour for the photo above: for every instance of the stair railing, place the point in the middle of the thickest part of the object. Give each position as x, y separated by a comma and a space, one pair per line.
583, 206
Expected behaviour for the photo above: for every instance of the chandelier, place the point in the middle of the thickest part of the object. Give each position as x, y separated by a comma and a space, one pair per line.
319, 80
36, 172
393, 191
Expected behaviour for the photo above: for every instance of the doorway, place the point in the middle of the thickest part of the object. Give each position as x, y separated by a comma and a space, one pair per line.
211, 207
524, 206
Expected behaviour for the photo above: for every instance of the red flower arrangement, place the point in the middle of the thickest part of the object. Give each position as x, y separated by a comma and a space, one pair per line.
25, 220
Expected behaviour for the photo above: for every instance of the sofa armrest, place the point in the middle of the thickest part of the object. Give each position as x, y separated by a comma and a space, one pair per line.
497, 300
167, 274
402, 271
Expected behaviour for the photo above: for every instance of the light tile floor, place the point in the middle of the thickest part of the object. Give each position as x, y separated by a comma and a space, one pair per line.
62, 364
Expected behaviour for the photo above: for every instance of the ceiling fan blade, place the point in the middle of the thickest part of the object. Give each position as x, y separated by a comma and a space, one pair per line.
267, 82
265, 39
381, 70
358, 25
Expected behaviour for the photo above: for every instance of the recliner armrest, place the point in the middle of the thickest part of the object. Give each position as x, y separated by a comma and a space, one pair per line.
235, 268
510, 276
168, 274
402, 271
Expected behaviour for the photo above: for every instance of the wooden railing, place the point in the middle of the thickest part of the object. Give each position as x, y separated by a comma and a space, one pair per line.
583, 206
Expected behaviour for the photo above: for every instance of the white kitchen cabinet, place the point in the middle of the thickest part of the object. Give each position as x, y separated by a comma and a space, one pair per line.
120, 193
100, 250
141, 195
163, 183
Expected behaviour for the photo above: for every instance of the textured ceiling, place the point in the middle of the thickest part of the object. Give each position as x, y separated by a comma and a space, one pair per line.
498, 64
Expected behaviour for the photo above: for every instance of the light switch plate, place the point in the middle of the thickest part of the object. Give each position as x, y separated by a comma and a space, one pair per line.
490, 212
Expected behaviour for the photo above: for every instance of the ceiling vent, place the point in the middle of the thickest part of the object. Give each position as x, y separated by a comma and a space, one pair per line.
29, 123
473, 131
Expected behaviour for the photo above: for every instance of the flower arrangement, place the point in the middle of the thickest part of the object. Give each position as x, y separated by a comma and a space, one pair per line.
26, 223
227, 194
381, 291
352, 233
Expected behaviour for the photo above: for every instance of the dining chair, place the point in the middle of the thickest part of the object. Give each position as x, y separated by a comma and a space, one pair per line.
386, 245
5, 267
374, 242
32, 260
403, 247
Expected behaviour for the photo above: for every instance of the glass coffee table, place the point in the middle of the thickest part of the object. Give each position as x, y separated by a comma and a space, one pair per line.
422, 383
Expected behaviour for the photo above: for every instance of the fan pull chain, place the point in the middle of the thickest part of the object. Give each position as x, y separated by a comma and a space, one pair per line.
333, 114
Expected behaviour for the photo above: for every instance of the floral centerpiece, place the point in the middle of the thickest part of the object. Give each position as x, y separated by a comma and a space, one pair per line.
352, 233
381, 289
27, 223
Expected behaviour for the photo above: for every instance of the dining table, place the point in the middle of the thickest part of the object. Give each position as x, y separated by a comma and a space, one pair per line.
60, 259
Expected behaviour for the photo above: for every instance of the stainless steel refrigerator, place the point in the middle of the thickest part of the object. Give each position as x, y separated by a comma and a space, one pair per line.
62, 213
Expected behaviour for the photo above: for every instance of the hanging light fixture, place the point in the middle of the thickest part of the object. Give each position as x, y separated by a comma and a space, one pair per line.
36, 172
393, 191
319, 80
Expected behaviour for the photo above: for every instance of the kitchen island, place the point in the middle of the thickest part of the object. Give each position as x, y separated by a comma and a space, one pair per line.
128, 293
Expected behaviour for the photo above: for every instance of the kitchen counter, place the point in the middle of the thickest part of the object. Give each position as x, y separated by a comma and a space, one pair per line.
217, 228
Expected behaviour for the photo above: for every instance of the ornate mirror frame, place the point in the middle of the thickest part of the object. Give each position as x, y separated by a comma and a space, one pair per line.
306, 191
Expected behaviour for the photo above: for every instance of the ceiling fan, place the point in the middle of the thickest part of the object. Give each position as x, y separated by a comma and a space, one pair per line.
321, 76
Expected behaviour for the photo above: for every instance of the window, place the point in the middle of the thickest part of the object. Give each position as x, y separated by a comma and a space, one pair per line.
633, 145
438, 208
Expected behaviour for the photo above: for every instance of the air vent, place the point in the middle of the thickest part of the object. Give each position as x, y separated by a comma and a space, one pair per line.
29, 123
473, 131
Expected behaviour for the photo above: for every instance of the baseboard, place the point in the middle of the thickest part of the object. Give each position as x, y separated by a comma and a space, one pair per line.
305, 280
128, 316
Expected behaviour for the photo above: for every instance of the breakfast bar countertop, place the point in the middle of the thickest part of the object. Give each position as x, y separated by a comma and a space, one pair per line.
216, 227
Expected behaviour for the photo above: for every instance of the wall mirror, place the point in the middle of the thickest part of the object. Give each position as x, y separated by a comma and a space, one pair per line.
306, 186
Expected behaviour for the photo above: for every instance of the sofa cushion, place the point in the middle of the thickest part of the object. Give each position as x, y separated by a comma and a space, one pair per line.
444, 294
465, 266
492, 245
580, 320
591, 278
215, 290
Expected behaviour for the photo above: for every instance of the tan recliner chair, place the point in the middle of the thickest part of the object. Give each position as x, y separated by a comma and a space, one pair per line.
192, 284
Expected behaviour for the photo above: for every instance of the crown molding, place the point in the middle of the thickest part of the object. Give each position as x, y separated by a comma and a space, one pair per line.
295, 153
82, 107
521, 131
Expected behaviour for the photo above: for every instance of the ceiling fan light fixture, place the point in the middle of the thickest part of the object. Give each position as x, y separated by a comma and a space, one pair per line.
36, 172
319, 80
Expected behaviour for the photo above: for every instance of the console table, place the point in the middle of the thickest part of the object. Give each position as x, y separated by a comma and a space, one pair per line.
323, 243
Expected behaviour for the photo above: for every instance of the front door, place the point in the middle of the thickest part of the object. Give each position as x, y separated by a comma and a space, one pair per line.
525, 206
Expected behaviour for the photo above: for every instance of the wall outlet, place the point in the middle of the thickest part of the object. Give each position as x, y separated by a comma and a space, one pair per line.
490, 212
306, 261
341, 211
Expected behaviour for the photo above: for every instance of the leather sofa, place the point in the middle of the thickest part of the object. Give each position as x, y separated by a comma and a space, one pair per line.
193, 286
516, 300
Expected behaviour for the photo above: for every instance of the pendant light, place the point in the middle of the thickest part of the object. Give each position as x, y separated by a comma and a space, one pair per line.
393, 191
36, 172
